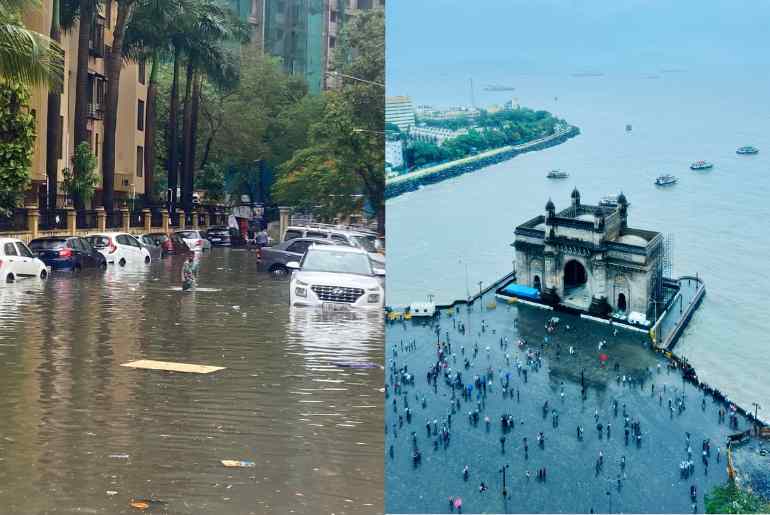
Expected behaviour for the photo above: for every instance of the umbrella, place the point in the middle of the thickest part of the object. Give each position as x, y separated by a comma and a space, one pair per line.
458, 503
603, 357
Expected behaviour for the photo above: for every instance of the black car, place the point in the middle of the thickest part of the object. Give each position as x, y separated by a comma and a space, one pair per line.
223, 236
67, 253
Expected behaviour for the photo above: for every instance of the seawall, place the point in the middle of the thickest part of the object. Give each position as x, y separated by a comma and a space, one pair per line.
413, 180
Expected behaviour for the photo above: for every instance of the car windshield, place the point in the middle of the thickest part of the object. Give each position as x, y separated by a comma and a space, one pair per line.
365, 243
158, 239
36, 245
99, 242
188, 235
336, 261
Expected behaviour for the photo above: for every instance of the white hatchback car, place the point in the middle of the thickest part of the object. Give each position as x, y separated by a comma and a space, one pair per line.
120, 248
336, 278
195, 240
16, 260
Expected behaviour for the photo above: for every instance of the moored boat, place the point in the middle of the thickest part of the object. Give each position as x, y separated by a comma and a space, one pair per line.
557, 174
665, 180
747, 150
701, 165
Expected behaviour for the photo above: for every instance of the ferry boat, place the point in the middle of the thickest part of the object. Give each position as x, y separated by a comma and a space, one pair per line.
628, 127
748, 150
665, 180
701, 165
557, 174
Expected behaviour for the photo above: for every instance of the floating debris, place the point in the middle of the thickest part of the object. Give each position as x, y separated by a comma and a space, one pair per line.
143, 504
238, 463
172, 367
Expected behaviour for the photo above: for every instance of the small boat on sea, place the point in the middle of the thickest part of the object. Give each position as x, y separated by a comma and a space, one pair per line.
557, 174
747, 150
628, 127
665, 180
701, 165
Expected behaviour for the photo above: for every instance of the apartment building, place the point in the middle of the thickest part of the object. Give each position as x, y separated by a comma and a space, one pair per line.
303, 33
129, 152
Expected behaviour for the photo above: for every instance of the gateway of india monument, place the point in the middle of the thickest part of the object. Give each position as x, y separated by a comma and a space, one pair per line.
587, 258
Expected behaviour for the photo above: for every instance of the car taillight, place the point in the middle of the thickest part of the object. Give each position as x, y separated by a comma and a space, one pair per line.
259, 254
113, 247
65, 252
167, 245
199, 243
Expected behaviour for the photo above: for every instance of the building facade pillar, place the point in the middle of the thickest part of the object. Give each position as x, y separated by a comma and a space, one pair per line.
164, 220
72, 220
147, 220
126, 218
195, 221
33, 221
101, 219
182, 219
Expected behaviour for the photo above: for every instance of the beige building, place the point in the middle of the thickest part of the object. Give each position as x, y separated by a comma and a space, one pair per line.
129, 152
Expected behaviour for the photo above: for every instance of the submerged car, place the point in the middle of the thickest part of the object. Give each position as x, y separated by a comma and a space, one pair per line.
275, 259
155, 249
120, 247
67, 253
170, 244
365, 240
223, 236
195, 239
16, 260
336, 278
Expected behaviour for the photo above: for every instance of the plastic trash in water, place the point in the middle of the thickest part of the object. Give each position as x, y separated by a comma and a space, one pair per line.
120, 456
145, 503
238, 463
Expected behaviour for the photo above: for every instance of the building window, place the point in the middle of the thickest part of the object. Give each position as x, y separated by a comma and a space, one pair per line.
332, 41
108, 13
96, 146
141, 71
139, 161
89, 139
140, 115
333, 16
100, 92
364, 4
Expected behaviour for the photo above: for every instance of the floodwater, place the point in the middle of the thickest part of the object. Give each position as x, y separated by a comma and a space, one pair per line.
650, 481
445, 238
81, 434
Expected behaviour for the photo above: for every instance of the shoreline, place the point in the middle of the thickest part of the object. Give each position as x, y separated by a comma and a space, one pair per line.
414, 180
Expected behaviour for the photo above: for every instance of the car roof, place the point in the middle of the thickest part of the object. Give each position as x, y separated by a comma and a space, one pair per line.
59, 238
10, 240
113, 233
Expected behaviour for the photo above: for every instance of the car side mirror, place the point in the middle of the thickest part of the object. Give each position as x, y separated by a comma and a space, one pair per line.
379, 272
293, 265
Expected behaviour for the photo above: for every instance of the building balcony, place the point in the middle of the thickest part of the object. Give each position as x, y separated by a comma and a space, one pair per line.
95, 111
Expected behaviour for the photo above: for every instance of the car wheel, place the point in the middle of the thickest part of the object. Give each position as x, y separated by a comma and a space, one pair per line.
122, 262
279, 270
44, 274
10, 278
146, 260
103, 265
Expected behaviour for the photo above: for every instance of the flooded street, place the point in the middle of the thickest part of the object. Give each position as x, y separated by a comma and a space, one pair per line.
81, 434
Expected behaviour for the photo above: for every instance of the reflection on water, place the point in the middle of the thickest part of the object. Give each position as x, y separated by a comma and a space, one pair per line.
77, 427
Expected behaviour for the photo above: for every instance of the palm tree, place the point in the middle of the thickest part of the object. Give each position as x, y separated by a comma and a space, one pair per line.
86, 10
27, 56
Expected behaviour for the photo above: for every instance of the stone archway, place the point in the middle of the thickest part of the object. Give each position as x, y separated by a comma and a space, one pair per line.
575, 274
622, 306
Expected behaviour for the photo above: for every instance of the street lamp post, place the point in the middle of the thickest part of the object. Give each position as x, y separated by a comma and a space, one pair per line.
757, 407
505, 490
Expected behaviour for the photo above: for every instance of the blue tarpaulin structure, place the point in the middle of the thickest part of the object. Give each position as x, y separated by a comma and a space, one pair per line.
524, 292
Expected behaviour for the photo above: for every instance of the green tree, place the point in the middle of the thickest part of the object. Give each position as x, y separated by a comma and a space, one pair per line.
212, 181
80, 181
345, 157
729, 498
17, 141
27, 57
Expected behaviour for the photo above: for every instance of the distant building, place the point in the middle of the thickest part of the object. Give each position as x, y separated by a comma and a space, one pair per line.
435, 135
400, 112
587, 258
303, 33
431, 113
394, 153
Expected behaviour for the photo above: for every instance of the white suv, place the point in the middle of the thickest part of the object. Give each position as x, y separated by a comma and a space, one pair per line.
120, 248
336, 278
16, 260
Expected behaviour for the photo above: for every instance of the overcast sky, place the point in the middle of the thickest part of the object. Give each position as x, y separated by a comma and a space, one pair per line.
430, 37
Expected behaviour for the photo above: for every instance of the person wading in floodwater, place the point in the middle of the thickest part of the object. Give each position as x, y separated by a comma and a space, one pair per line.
189, 273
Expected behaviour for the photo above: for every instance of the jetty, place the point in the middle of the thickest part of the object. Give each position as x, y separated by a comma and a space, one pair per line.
413, 180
